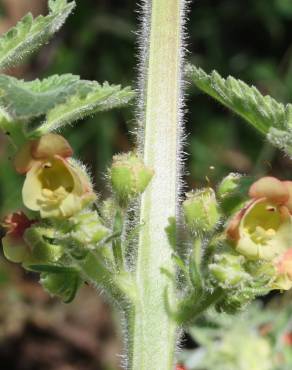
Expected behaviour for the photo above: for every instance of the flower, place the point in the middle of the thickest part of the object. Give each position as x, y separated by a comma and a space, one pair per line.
36, 151
262, 230
55, 185
14, 247
57, 188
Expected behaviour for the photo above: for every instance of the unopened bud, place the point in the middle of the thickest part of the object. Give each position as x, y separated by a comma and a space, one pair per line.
129, 176
201, 210
228, 270
229, 185
88, 230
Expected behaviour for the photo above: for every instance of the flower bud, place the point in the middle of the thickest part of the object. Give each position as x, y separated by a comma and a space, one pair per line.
228, 270
88, 230
129, 176
229, 185
201, 210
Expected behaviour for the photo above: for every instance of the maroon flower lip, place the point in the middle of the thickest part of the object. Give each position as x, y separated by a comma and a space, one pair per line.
16, 224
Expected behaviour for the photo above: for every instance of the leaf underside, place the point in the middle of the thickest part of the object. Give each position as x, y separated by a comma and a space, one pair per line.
58, 100
30, 34
264, 113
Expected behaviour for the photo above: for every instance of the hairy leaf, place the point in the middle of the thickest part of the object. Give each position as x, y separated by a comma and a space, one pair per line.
25, 100
30, 34
78, 106
268, 116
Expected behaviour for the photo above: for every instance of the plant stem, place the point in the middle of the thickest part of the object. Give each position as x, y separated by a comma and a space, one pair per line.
117, 242
152, 333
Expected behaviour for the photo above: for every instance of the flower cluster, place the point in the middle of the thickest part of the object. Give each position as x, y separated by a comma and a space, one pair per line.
64, 229
56, 189
240, 248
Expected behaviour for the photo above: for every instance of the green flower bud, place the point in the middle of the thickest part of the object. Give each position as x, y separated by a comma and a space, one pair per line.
88, 230
129, 176
63, 285
201, 210
228, 270
228, 185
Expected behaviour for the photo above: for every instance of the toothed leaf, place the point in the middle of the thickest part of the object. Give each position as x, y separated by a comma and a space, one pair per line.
78, 106
30, 34
25, 100
268, 116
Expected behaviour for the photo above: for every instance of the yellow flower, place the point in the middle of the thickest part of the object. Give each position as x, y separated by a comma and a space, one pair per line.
56, 188
263, 229
55, 185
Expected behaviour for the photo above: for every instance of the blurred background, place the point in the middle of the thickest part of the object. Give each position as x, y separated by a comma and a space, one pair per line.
249, 39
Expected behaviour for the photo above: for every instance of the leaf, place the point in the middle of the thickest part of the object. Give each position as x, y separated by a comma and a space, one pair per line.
25, 100
78, 106
264, 113
30, 34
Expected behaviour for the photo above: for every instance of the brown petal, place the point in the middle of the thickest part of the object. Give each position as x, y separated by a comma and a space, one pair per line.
23, 160
270, 188
49, 145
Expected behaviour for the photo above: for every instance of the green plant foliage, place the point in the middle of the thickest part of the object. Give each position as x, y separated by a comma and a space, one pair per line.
62, 99
268, 116
25, 100
30, 34
101, 98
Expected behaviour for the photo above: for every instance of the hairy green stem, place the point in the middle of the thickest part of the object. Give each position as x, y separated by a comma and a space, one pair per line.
152, 336
119, 286
117, 242
194, 305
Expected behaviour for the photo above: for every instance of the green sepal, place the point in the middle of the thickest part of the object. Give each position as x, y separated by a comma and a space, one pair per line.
41, 249
64, 285
51, 268
235, 200
201, 211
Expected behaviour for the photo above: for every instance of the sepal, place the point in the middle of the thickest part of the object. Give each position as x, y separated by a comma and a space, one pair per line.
62, 284
201, 211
